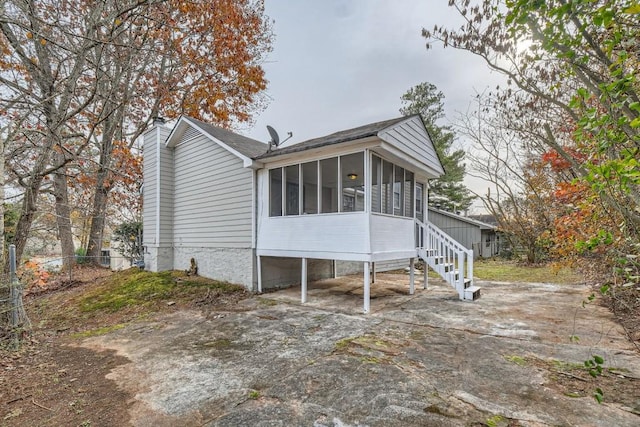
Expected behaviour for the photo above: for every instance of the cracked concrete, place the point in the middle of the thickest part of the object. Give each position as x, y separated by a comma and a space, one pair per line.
426, 359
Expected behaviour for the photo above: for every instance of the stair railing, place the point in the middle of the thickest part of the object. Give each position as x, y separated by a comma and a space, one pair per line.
434, 244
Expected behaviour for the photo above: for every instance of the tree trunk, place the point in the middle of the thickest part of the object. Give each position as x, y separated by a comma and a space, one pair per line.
2, 238
63, 217
94, 246
27, 215
103, 186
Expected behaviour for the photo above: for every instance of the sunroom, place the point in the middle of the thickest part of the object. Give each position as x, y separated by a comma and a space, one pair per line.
352, 196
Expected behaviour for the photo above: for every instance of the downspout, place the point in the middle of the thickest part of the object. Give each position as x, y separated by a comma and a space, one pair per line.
254, 209
254, 231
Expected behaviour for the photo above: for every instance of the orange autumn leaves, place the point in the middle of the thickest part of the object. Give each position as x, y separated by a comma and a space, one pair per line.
219, 46
575, 209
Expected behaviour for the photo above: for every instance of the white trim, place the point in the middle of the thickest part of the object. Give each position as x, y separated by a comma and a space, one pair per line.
254, 207
389, 256
399, 157
339, 256
259, 272
247, 162
367, 292
342, 149
303, 282
339, 184
412, 281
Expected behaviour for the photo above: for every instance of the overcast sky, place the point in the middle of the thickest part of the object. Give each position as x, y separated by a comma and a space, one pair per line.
338, 64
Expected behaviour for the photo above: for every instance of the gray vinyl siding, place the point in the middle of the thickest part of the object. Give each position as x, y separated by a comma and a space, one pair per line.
212, 197
409, 136
467, 234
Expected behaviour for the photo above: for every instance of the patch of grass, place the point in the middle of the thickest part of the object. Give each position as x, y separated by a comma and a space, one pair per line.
518, 360
97, 332
219, 343
370, 359
495, 421
512, 271
254, 394
344, 343
565, 366
573, 394
266, 301
135, 287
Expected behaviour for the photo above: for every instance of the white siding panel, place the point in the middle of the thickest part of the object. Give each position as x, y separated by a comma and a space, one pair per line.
392, 234
339, 233
411, 137
212, 197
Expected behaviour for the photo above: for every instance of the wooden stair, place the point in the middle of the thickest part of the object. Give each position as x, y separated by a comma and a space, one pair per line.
448, 258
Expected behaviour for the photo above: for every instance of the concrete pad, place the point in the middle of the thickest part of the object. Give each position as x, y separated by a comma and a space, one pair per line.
425, 359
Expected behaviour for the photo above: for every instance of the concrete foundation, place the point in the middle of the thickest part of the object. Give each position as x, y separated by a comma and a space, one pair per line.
158, 258
233, 265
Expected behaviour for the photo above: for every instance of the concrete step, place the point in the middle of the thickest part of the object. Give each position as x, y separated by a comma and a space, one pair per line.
472, 293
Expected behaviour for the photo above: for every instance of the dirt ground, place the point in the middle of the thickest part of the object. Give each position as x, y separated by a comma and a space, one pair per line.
425, 359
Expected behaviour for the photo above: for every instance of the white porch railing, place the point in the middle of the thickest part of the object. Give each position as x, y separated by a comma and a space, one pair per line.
452, 261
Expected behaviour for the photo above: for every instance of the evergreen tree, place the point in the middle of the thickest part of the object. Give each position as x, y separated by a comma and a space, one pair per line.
448, 191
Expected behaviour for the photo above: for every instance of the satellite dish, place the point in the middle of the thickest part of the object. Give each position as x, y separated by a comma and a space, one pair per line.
275, 139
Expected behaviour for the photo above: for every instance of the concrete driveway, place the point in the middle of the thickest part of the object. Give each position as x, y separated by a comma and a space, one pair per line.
425, 359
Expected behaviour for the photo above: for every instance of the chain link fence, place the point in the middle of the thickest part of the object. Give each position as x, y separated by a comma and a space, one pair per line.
15, 320
42, 274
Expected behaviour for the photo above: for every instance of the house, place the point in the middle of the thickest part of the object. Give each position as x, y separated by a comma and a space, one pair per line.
471, 233
268, 217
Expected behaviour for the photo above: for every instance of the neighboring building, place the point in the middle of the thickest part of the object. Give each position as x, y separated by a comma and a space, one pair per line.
268, 218
471, 233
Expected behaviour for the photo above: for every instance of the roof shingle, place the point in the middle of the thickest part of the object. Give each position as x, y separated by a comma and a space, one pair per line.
360, 132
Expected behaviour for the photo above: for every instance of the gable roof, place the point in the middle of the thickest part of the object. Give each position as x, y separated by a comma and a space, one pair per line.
403, 136
360, 132
242, 144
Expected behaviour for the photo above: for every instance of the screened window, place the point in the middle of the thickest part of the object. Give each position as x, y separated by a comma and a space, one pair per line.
352, 176
329, 185
387, 187
376, 184
310, 188
398, 190
408, 193
419, 202
293, 189
275, 192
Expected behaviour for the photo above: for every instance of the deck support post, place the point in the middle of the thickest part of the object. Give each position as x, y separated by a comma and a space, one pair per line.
303, 281
373, 272
412, 283
259, 272
367, 278
425, 272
